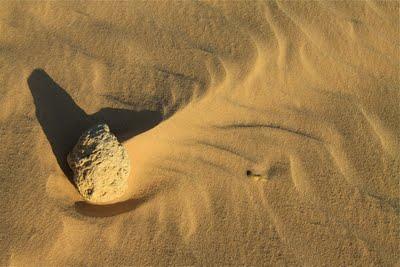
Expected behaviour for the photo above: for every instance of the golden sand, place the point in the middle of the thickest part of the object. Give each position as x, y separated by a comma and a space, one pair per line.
260, 133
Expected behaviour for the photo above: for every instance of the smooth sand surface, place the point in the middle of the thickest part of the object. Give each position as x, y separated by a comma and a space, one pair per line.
260, 133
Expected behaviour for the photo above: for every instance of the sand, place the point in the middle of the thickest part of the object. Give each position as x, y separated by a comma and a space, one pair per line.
259, 133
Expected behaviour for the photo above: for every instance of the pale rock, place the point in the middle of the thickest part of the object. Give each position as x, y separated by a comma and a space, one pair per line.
100, 165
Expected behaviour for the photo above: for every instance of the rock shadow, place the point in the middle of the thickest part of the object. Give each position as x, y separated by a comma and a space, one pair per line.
92, 210
63, 121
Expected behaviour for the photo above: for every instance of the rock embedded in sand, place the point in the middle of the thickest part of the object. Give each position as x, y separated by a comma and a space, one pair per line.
100, 165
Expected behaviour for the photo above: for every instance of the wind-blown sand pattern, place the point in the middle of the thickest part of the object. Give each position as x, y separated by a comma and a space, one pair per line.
260, 133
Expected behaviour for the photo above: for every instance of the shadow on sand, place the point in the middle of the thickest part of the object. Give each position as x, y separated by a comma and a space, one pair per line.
63, 121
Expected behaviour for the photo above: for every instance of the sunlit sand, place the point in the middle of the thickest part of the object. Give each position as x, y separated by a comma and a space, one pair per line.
258, 133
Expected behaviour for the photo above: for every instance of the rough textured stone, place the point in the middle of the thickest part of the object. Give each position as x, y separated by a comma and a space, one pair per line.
100, 164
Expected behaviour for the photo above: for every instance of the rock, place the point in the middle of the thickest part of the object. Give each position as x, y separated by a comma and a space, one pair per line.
100, 165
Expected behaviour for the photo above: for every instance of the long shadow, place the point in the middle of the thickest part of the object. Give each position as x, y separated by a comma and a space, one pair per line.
63, 121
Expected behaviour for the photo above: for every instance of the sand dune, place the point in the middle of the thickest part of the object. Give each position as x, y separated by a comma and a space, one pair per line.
259, 133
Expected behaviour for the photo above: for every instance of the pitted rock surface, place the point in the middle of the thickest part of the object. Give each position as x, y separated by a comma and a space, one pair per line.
100, 165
